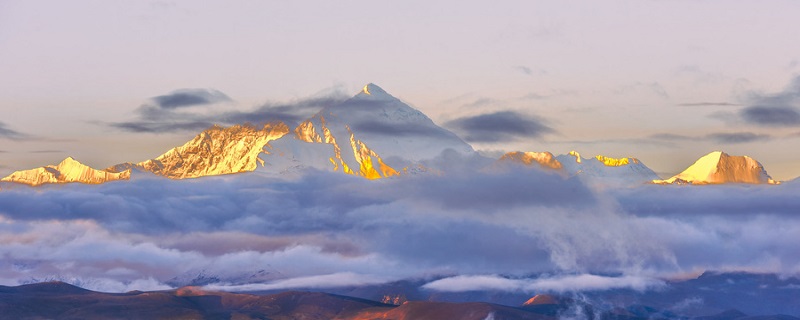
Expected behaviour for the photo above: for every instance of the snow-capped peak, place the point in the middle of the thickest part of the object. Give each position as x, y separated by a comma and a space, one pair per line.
372, 91
68, 170
605, 171
720, 167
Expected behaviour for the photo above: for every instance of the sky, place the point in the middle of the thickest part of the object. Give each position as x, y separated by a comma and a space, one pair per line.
663, 81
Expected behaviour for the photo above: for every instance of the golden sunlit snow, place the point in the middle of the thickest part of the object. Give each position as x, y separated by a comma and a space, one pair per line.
719, 167
69, 170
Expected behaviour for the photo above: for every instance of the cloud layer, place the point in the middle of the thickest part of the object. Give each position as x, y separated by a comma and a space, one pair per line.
253, 231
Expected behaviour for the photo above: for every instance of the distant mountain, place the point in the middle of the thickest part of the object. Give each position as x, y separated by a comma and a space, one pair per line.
606, 171
543, 159
372, 134
215, 151
69, 170
718, 167
708, 297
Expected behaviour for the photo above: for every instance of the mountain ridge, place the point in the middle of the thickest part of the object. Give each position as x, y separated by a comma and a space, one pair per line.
372, 135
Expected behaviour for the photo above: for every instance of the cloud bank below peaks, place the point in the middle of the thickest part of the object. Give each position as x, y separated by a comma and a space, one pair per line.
262, 232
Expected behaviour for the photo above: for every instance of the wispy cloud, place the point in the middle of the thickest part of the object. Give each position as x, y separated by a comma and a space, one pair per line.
500, 126
738, 137
559, 284
164, 116
530, 71
10, 134
718, 137
708, 104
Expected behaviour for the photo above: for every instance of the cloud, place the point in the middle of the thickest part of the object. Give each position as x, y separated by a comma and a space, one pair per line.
189, 97
670, 137
559, 284
321, 229
777, 109
718, 137
708, 104
343, 279
500, 126
10, 134
771, 115
738, 137
161, 127
530, 72
158, 119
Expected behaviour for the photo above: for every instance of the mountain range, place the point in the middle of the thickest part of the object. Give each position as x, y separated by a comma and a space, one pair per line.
58, 300
373, 135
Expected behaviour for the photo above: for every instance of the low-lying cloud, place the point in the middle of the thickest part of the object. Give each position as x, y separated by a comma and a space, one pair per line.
557, 284
256, 231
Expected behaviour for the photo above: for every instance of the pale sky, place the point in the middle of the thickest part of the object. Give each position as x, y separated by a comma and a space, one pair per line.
663, 81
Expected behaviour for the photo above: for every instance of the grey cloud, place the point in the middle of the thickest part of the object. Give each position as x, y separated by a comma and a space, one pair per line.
738, 137
154, 127
189, 97
290, 113
500, 126
155, 119
529, 71
718, 137
778, 109
670, 136
708, 104
771, 115
8, 133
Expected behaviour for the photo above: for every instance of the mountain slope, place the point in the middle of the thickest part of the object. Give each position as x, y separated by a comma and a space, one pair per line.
719, 167
69, 170
372, 134
543, 159
215, 151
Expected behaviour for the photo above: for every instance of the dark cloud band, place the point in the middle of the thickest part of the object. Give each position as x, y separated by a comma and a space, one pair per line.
499, 127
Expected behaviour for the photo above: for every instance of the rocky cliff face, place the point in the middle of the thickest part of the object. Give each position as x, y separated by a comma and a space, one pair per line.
69, 170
